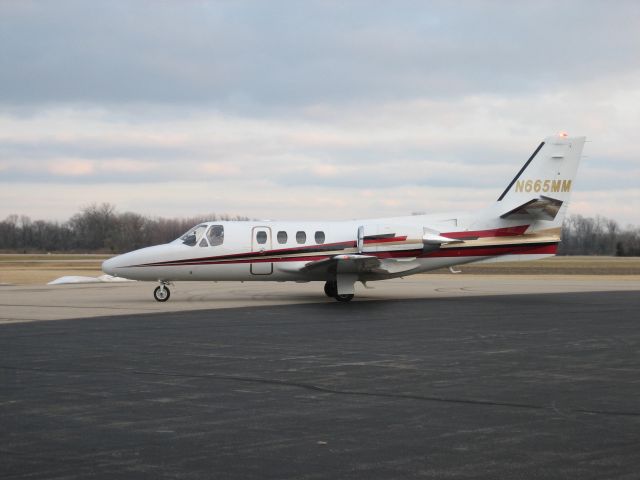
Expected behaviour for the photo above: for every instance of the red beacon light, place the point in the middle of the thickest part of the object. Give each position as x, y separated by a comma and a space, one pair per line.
563, 134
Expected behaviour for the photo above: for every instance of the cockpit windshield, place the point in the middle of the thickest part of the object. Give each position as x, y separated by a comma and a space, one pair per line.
193, 236
196, 236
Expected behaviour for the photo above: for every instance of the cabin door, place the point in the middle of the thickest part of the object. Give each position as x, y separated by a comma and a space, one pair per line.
261, 242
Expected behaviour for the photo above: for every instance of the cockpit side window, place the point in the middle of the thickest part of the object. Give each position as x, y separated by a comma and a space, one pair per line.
215, 234
193, 236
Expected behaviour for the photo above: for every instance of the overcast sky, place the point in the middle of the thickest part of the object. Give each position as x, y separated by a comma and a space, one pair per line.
313, 110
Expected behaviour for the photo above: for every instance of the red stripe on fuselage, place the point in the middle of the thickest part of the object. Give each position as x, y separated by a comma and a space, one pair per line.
494, 251
479, 251
248, 260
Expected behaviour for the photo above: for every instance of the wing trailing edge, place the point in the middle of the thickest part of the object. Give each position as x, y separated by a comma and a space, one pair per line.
359, 264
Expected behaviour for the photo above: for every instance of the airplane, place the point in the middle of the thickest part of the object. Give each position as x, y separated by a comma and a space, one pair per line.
523, 224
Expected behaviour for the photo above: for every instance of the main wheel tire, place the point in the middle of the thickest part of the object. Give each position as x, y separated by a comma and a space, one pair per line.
344, 298
331, 289
161, 294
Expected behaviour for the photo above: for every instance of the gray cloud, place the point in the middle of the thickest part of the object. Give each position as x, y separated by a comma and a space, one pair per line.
245, 56
369, 107
294, 163
94, 149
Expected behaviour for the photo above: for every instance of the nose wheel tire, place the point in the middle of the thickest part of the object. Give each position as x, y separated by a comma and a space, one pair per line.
344, 298
161, 294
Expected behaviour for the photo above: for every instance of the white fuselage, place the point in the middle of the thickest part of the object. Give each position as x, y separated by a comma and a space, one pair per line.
261, 251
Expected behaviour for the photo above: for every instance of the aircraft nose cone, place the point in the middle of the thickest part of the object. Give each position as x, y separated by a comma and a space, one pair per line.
109, 266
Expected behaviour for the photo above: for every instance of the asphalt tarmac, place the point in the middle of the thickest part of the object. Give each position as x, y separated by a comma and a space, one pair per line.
495, 386
25, 303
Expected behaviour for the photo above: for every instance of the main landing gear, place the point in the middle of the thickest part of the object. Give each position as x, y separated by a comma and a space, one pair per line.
331, 291
162, 293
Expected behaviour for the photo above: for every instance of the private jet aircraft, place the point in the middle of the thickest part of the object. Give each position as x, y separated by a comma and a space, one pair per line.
523, 224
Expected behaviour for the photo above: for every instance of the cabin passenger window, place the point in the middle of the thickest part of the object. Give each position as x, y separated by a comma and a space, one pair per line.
319, 237
301, 237
261, 237
282, 237
215, 235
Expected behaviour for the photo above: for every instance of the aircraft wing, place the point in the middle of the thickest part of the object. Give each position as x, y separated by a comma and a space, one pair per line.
356, 263
347, 263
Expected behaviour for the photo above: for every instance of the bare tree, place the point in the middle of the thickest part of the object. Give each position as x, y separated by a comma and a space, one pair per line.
598, 236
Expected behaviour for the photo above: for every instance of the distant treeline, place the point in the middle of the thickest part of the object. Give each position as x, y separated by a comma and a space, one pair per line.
100, 228
598, 236
97, 228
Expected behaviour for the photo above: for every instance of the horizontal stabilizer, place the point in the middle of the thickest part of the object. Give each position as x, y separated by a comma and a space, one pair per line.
542, 208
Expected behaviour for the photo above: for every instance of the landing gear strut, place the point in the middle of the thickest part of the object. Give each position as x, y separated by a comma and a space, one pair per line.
162, 293
331, 290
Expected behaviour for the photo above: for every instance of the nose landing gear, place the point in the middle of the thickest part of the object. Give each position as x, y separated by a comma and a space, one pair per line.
162, 292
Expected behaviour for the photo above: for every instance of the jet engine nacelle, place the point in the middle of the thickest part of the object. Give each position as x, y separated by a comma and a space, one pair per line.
377, 238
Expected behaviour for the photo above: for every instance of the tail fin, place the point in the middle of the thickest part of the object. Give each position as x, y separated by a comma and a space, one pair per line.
542, 188
530, 211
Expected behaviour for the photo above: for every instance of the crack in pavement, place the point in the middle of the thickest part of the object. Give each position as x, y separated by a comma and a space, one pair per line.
323, 389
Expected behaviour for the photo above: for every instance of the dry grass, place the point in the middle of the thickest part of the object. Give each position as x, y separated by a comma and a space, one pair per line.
41, 269
52, 257
558, 266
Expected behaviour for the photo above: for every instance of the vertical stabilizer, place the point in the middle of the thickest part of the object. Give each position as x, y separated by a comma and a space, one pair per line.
542, 188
